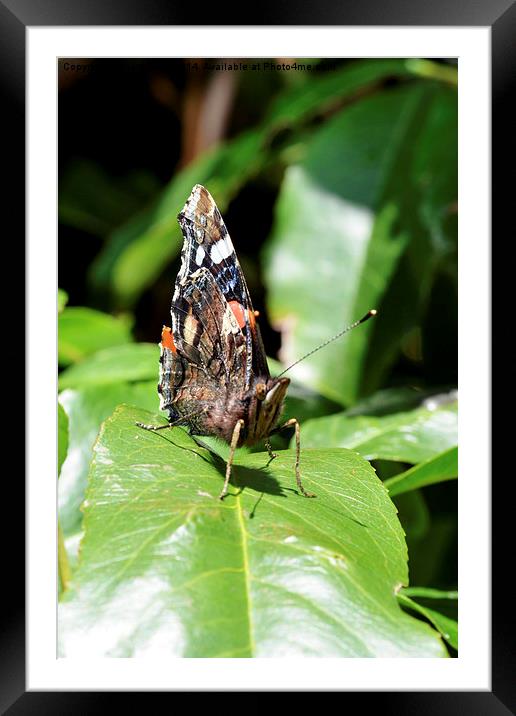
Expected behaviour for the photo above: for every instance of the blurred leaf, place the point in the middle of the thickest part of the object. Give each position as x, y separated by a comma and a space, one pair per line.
433, 559
413, 514
446, 626
431, 213
83, 331
132, 362
62, 437
161, 554
62, 299
405, 437
94, 202
436, 469
396, 400
87, 408
305, 404
345, 218
301, 402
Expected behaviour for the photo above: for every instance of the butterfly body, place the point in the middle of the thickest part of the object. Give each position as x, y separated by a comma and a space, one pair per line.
209, 407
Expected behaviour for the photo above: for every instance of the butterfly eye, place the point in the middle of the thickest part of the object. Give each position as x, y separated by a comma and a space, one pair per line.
261, 391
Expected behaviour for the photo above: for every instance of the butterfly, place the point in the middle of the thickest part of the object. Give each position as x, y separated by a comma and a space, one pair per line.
213, 373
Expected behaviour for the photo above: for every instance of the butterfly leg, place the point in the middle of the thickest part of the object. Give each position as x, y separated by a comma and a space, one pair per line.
289, 424
272, 455
234, 442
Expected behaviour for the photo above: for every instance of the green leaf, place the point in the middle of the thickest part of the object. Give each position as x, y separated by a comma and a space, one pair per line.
438, 469
345, 218
83, 331
414, 516
93, 201
411, 437
165, 567
433, 558
87, 408
430, 212
446, 626
338, 224
62, 436
396, 400
132, 362
62, 299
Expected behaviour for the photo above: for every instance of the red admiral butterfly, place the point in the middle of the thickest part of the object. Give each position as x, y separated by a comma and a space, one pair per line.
213, 374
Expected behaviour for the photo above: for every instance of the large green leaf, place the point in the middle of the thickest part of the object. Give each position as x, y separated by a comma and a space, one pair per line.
346, 216
437, 469
412, 436
133, 362
166, 568
87, 408
83, 331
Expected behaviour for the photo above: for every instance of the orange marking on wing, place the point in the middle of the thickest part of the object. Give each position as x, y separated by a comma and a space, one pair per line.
167, 339
238, 312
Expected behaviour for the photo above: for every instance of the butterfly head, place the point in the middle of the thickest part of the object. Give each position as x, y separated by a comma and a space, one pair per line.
270, 394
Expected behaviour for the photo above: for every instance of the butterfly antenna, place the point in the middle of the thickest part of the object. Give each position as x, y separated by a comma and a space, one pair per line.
365, 318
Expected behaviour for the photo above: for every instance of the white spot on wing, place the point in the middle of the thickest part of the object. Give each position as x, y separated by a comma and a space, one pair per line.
199, 256
220, 251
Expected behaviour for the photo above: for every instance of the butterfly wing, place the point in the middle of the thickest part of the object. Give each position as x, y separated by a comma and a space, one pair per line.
205, 330
213, 320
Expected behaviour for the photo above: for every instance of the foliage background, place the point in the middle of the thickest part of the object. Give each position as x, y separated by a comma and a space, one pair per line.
339, 189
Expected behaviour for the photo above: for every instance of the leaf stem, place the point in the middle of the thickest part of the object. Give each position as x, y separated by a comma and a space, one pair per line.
433, 70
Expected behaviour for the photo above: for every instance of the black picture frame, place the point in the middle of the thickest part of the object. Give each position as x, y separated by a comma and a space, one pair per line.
15, 17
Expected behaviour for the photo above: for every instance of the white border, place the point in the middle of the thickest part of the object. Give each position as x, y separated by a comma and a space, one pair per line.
472, 669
